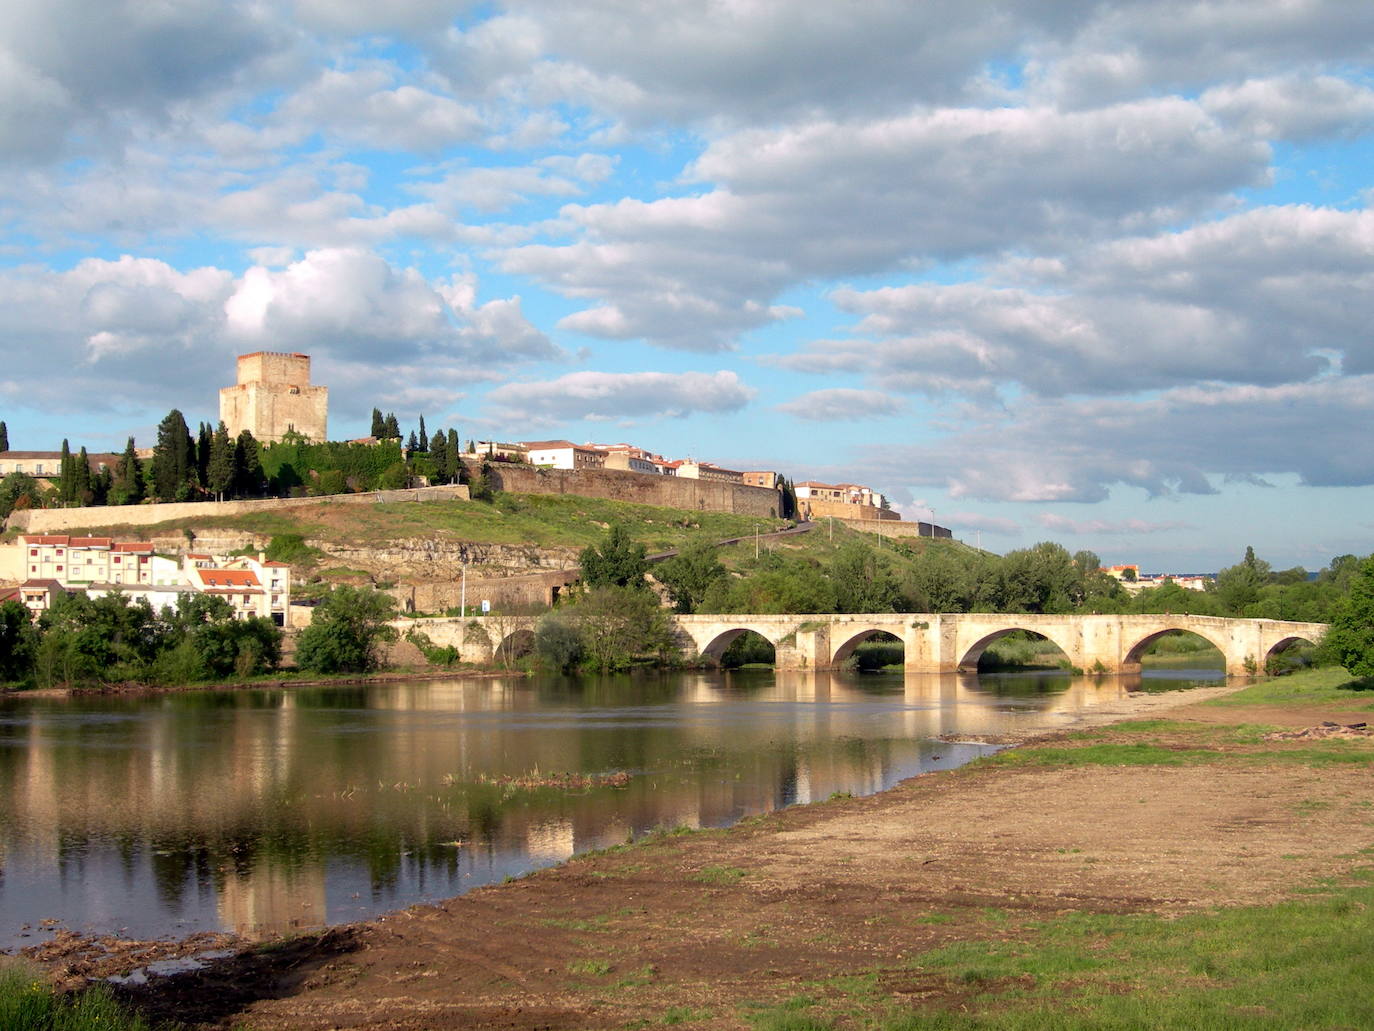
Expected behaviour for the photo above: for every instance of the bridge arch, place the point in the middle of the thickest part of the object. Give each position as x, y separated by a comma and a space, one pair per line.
858, 637
517, 643
970, 654
1133, 655
723, 639
1282, 645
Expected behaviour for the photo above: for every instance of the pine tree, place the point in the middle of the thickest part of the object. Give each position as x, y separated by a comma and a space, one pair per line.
81, 480
391, 429
174, 461
219, 477
378, 424
438, 454
5, 434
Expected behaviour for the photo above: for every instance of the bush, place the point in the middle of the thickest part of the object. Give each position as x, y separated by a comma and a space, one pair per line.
347, 632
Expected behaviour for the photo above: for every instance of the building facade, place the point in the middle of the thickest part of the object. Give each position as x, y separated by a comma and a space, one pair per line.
273, 396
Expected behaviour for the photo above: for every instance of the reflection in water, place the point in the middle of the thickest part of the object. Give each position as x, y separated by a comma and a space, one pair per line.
271, 810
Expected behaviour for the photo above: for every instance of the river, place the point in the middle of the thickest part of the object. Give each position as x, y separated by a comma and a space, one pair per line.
270, 811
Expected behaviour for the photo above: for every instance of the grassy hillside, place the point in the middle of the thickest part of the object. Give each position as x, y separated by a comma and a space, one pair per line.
547, 521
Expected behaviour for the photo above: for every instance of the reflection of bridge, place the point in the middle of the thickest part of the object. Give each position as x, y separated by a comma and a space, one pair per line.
934, 643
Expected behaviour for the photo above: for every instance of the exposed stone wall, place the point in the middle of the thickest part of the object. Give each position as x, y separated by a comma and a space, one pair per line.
820, 508
61, 520
508, 594
901, 528
640, 488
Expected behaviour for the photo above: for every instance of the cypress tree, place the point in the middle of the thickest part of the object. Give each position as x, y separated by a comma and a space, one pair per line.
248, 472
391, 429
64, 475
438, 454
127, 488
457, 471
81, 480
5, 434
378, 424
424, 440
412, 444
204, 445
220, 472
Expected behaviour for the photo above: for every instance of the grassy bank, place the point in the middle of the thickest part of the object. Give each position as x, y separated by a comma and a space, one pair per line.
27, 1003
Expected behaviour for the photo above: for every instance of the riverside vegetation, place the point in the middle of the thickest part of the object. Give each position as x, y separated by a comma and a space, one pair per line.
616, 621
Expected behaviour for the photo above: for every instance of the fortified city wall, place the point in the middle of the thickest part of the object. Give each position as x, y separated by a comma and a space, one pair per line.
640, 488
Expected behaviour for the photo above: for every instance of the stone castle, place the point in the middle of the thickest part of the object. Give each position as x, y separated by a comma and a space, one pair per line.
273, 395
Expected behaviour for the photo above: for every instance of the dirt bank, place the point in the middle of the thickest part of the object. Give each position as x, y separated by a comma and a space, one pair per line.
695, 928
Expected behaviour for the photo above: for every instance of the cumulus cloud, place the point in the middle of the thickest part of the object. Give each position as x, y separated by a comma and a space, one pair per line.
1264, 297
1294, 108
843, 404
1177, 442
834, 199
115, 328
616, 395
70, 67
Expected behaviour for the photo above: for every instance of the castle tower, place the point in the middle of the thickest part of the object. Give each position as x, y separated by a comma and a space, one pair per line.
273, 395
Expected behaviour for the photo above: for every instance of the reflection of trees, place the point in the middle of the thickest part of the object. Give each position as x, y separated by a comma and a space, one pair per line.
214, 790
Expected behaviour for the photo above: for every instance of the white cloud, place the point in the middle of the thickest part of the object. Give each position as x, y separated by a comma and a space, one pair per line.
615, 395
1176, 442
842, 404
833, 199
1294, 108
1270, 296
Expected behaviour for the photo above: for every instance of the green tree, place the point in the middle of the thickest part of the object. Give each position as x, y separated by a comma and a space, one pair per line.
17, 491
454, 468
127, 486
424, 440
1042, 578
863, 580
206, 641
438, 456
391, 429
219, 474
689, 574
66, 486
1350, 640
346, 635
96, 640
616, 627
378, 424
1239, 586
18, 641
4, 436
205, 442
249, 479
82, 492
776, 584
174, 464
617, 562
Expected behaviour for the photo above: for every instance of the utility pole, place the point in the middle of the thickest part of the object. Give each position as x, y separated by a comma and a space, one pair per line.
756, 542
463, 592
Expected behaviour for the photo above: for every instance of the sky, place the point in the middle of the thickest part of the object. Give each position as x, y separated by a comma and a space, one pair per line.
1092, 272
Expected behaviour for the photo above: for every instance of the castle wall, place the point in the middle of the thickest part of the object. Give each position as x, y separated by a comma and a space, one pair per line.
274, 395
640, 488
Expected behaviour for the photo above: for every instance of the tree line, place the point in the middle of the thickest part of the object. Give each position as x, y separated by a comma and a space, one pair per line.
212, 465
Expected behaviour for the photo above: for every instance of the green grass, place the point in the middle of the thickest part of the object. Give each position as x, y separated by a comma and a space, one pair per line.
1101, 755
1307, 963
589, 967
719, 875
28, 1004
1315, 687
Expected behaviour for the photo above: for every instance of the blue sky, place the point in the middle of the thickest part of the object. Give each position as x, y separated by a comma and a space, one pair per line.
1095, 272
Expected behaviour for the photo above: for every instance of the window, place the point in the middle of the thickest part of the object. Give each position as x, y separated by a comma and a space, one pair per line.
33, 552
59, 569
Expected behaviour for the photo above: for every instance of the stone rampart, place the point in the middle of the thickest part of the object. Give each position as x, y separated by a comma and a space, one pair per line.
60, 520
640, 488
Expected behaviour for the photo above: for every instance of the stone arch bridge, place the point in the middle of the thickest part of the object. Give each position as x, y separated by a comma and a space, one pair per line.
934, 643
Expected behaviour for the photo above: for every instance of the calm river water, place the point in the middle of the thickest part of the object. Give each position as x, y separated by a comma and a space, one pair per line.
268, 811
